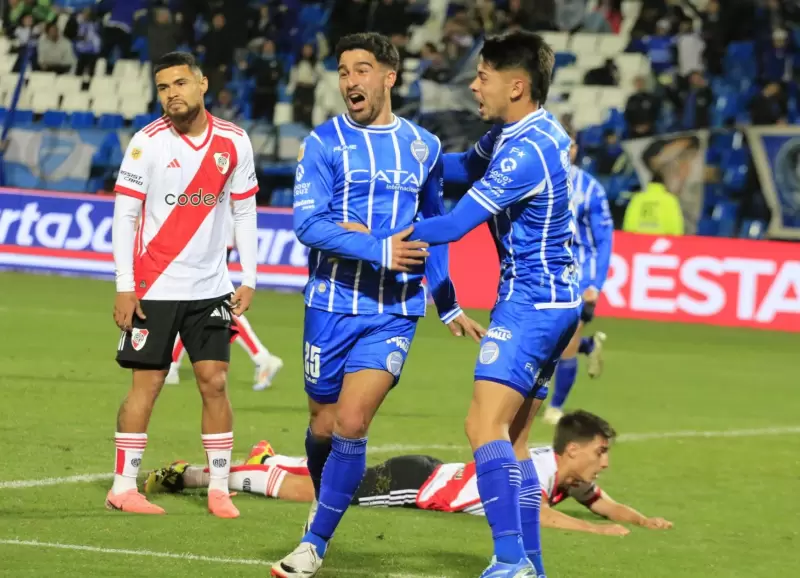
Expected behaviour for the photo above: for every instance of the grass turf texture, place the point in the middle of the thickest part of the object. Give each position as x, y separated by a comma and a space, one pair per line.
729, 497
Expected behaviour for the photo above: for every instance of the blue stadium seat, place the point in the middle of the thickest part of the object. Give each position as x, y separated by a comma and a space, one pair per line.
110, 121
80, 120
54, 118
616, 121
142, 120
725, 215
752, 229
590, 137
565, 59
23, 117
740, 61
3, 113
707, 227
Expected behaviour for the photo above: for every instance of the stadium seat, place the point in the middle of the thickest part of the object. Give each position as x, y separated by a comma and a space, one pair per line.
23, 117
582, 43
76, 102
103, 86
612, 44
41, 80
101, 67
78, 120
567, 78
8, 82
6, 62
557, 40
284, 114
564, 59
752, 229
54, 118
132, 106
725, 214
23, 102
411, 64
110, 121
127, 70
631, 65
105, 104
44, 100
142, 120
67, 84
613, 97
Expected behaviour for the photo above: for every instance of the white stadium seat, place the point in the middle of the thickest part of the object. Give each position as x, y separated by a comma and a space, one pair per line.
132, 105
284, 114
67, 84
556, 40
103, 85
44, 100
126, 69
613, 44
613, 97
583, 43
568, 77
41, 80
76, 102
105, 104
584, 97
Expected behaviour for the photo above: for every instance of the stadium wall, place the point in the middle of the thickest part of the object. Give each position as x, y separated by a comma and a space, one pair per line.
728, 282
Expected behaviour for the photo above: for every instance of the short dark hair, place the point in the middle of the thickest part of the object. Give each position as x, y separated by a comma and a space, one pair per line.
580, 427
376, 44
172, 59
525, 50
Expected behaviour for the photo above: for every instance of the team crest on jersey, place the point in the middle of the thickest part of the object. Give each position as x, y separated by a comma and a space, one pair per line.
223, 161
301, 153
419, 150
136, 153
138, 338
394, 363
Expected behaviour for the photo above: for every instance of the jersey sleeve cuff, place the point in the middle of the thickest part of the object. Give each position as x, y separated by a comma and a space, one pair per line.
451, 315
249, 280
125, 283
484, 201
245, 195
119, 189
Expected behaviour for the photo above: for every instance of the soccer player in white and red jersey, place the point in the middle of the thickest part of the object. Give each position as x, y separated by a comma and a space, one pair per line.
179, 174
567, 469
267, 365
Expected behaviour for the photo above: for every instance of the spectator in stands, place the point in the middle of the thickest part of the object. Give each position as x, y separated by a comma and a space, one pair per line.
641, 110
457, 35
224, 107
218, 47
54, 52
163, 33
40, 10
87, 42
262, 26
660, 49
694, 103
769, 106
23, 33
713, 38
118, 32
267, 72
389, 17
776, 60
606, 75
612, 11
690, 48
607, 156
433, 64
303, 79
570, 15
486, 17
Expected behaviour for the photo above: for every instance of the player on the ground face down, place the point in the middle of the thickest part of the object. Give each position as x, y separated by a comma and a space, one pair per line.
267, 365
593, 242
521, 187
179, 173
567, 469
363, 296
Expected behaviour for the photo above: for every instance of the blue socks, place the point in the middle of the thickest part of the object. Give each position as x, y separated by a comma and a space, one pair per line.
586, 346
317, 452
566, 374
341, 477
499, 482
530, 502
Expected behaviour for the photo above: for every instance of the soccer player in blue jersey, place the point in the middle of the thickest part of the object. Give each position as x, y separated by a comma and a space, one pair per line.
364, 296
523, 191
593, 242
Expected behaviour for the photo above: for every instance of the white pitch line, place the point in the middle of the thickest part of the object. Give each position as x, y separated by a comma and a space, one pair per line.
392, 448
175, 556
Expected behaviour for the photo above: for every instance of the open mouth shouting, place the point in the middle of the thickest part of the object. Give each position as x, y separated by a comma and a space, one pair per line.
356, 101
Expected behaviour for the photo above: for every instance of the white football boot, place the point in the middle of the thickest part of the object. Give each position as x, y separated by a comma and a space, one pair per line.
304, 562
267, 366
596, 356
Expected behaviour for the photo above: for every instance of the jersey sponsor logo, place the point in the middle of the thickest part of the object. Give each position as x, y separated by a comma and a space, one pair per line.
193, 199
301, 189
499, 178
392, 178
223, 162
508, 164
139, 338
517, 151
343, 148
136, 153
299, 173
394, 363
489, 353
419, 150
499, 333
131, 178
403, 343
305, 205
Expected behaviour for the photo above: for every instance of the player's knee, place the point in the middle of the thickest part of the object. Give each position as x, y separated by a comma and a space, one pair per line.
352, 424
212, 383
322, 422
147, 383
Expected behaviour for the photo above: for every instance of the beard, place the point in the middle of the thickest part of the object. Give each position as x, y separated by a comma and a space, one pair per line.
186, 117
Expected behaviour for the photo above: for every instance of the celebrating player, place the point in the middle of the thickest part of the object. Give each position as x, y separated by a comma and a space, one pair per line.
567, 469
524, 193
363, 296
593, 240
267, 365
180, 172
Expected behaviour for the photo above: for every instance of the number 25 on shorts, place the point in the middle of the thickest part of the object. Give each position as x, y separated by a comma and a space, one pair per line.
312, 361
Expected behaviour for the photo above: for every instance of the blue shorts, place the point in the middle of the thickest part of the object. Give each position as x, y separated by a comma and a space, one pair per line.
523, 345
335, 344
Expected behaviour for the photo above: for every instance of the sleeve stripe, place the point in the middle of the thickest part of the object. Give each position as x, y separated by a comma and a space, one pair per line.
129, 192
481, 152
451, 315
387, 252
245, 195
484, 201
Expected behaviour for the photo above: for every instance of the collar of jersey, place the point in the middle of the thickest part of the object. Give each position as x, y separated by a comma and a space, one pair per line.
515, 127
393, 126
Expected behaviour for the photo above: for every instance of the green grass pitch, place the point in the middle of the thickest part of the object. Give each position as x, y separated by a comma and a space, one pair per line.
731, 493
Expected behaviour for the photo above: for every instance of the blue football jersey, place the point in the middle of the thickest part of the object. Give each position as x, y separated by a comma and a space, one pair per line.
380, 177
595, 228
524, 193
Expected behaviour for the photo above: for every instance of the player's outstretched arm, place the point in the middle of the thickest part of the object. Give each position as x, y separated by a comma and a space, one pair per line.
467, 167
621, 513
437, 266
552, 518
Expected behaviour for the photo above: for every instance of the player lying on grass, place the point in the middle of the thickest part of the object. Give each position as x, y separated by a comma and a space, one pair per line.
566, 469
